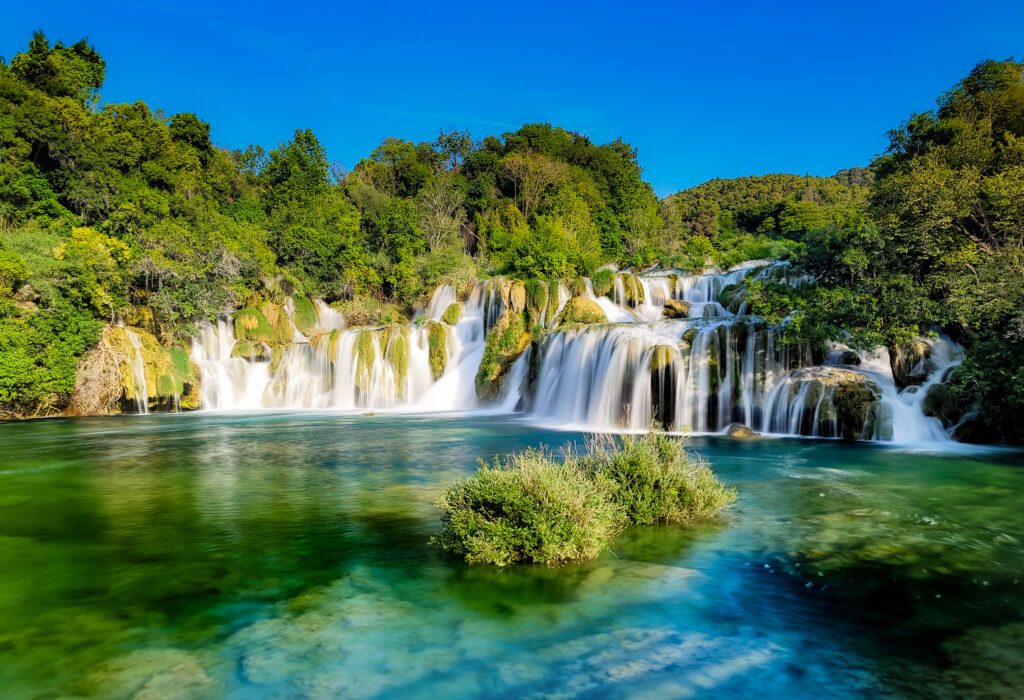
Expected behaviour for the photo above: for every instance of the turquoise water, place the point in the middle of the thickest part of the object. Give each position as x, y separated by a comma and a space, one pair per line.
286, 556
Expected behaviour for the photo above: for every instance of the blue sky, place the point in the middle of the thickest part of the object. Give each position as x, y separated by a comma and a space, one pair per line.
701, 89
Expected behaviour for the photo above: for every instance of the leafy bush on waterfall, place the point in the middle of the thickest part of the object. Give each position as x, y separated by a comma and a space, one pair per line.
533, 508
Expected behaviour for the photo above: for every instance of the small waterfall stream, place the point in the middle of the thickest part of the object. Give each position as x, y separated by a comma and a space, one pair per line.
703, 372
137, 366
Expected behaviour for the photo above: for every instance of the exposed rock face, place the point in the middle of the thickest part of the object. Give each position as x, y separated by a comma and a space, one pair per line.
742, 432
129, 368
582, 310
674, 308
834, 402
910, 362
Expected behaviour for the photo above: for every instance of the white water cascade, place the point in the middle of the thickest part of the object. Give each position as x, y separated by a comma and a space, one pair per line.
424, 367
137, 367
715, 366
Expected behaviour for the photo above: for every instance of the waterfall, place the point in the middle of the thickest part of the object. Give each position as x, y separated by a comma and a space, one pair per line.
137, 367
699, 374
427, 366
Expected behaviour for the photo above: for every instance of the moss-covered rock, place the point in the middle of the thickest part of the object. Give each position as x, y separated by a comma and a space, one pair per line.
304, 314
506, 341
437, 342
945, 404
267, 324
632, 288
675, 308
848, 398
517, 297
397, 354
249, 350
365, 351
452, 314
553, 299
662, 357
909, 362
603, 282
582, 310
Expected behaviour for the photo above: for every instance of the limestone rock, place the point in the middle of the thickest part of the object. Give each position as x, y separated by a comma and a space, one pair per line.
675, 308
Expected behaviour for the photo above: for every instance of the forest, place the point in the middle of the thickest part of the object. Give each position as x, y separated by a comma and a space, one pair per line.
112, 211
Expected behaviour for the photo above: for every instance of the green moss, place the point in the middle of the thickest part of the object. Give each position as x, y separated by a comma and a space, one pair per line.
603, 281
365, 356
662, 357
634, 291
397, 354
506, 341
552, 299
582, 310
249, 350
304, 314
251, 324
437, 341
578, 286
452, 314
536, 296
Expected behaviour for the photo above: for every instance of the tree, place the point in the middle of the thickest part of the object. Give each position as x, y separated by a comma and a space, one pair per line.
74, 71
296, 171
531, 174
441, 216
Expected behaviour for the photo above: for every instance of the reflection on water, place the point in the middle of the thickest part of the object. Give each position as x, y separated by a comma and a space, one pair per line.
285, 555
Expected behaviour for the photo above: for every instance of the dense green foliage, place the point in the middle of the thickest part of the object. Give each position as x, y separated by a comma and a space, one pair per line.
117, 211
654, 480
108, 206
939, 246
535, 508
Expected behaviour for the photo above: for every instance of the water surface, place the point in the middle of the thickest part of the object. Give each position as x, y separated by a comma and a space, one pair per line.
285, 555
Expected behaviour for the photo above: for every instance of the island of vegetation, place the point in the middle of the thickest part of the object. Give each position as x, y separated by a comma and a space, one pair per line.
119, 214
534, 508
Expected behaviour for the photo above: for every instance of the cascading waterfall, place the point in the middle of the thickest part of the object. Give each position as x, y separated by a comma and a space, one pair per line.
712, 368
137, 367
419, 367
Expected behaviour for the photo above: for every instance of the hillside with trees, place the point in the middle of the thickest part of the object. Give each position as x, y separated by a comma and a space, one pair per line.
119, 212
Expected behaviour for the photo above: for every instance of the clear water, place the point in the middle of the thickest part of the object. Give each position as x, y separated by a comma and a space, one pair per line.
286, 556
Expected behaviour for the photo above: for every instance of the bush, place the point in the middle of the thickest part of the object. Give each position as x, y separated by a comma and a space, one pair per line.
533, 508
530, 508
654, 480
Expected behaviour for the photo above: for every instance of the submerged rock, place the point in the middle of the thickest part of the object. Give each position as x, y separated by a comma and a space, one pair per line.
742, 432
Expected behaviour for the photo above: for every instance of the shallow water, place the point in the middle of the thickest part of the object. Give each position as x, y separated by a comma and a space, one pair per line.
285, 555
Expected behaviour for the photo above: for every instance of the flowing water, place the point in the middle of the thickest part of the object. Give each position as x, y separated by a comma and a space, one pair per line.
698, 374
286, 555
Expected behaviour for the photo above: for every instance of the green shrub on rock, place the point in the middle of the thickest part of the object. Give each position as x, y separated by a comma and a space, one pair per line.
533, 508
603, 282
529, 508
654, 480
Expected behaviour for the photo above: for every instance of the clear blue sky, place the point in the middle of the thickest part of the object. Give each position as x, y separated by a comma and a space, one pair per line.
702, 89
